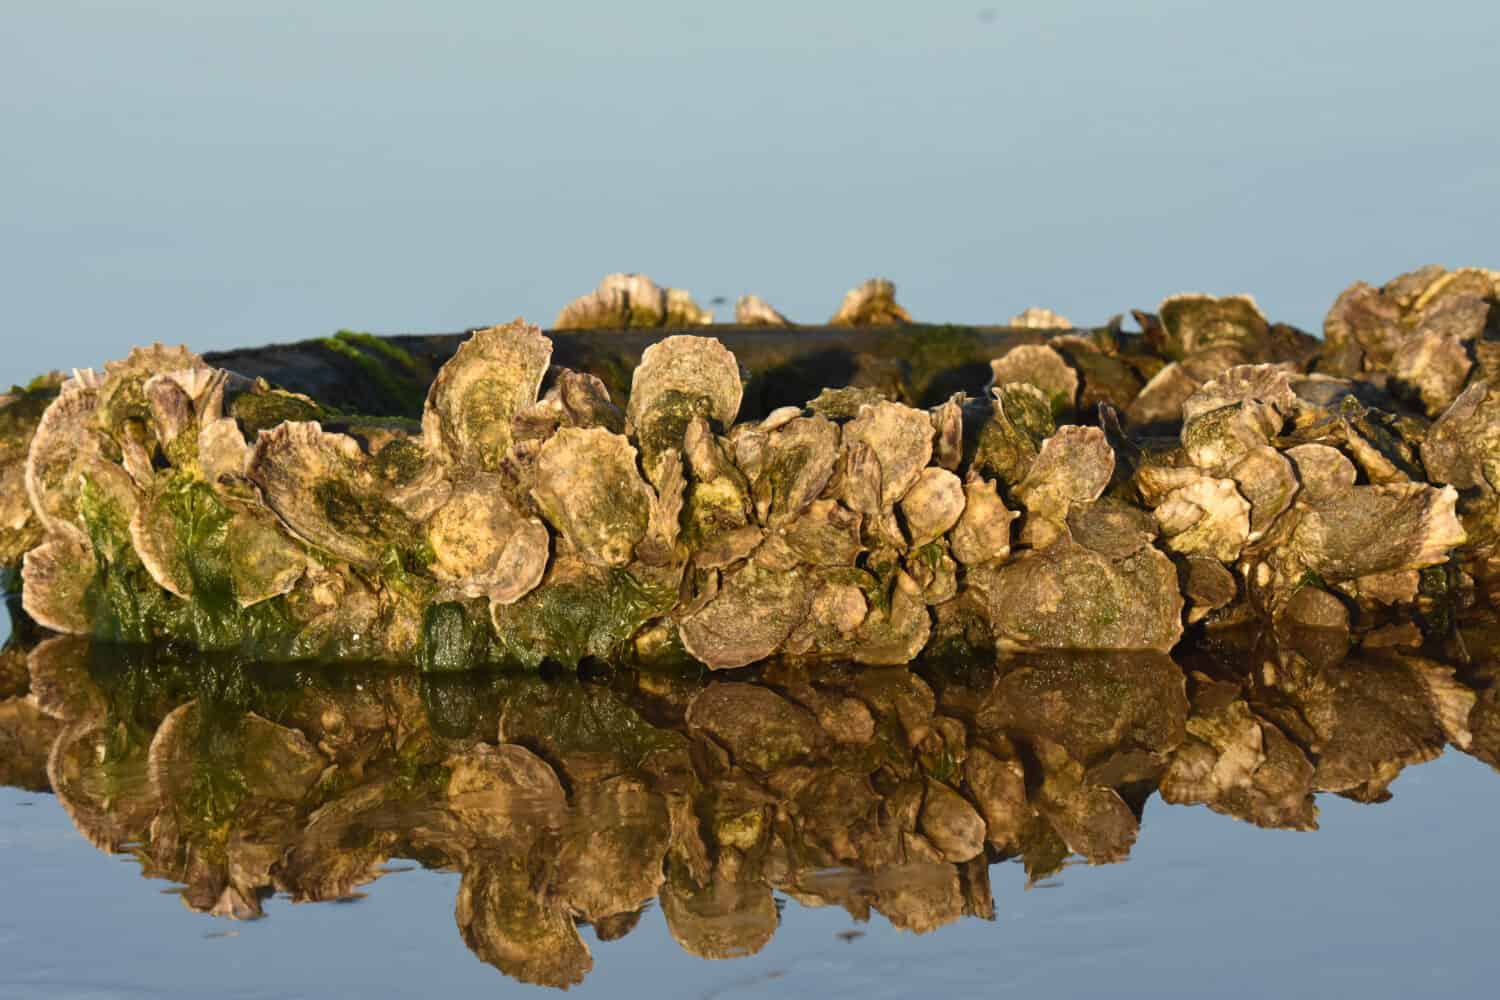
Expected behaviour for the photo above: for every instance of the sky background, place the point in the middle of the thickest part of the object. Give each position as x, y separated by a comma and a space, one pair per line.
226, 174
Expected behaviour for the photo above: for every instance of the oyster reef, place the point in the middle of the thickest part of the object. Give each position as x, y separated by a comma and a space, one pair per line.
874, 491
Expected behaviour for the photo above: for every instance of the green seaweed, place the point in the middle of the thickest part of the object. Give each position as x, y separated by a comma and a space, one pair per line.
593, 613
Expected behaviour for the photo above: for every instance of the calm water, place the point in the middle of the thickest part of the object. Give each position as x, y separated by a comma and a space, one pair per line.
1387, 899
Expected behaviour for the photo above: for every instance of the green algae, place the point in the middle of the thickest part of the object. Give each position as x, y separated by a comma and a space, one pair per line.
582, 612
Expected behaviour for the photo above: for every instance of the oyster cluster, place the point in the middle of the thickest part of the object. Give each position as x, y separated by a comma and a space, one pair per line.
563, 803
1108, 490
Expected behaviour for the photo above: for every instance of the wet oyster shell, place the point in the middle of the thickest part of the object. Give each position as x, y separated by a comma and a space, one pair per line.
589, 490
493, 376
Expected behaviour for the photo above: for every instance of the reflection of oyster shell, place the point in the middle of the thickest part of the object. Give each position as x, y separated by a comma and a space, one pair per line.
610, 858
503, 921
498, 790
484, 546
324, 488
759, 728
494, 374
107, 796
950, 823
871, 304
588, 488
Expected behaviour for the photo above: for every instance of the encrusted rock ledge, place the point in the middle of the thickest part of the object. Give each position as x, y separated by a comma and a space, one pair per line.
529, 518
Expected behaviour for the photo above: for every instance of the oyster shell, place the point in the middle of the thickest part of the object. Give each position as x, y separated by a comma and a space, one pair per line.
624, 301
589, 490
679, 379
1192, 322
326, 491
755, 611
483, 546
1038, 318
932, 506
1205, 517
1379, 529
752, 310
900, 439
982, 534
56, 578
1043, 367
493, 376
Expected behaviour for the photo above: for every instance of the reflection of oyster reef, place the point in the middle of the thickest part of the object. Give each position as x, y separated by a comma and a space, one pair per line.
567, 803
170, 500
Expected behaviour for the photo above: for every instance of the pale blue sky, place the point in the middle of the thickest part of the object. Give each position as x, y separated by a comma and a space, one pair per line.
228, 174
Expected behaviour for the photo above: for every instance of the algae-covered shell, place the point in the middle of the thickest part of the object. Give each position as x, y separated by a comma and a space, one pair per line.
933, 505
122, 394
63, 443
872, 303
754, 612
484, 546
798, 462
56, 577
624, 301
1020, 420
982, 534
1039, 318
1205, 517
901, 440
494, 375
685, 368
1041, 366
1379, 529
752, 310
324, 488
589, 489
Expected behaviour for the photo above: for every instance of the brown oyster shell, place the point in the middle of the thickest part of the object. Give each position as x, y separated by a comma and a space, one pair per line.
982, 534
624, 301
756, 609
1205, 517
1379, 529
